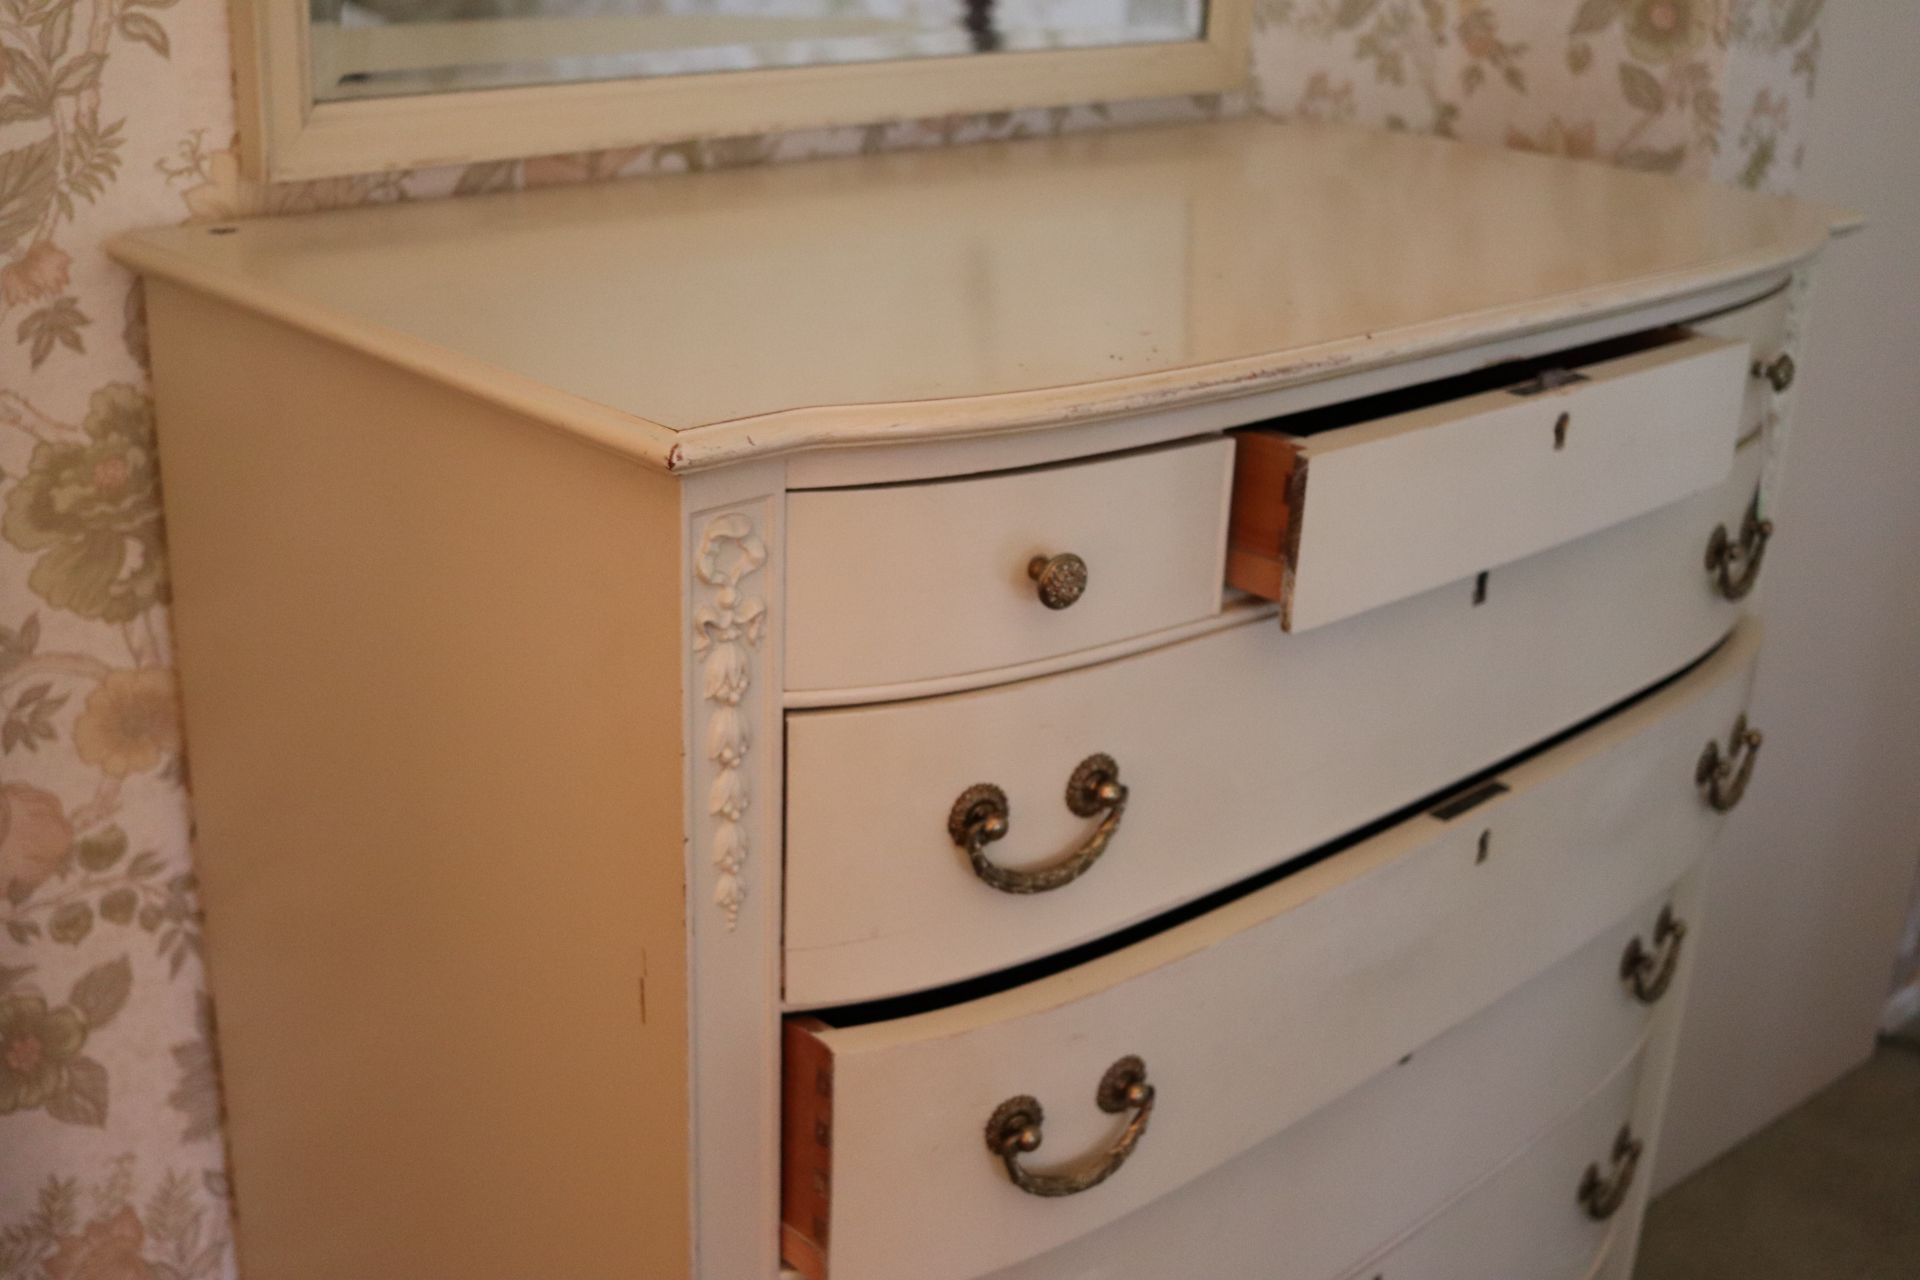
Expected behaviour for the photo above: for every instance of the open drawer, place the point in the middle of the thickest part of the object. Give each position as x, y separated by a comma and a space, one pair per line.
1332, 520
910, 1137
1375, 1166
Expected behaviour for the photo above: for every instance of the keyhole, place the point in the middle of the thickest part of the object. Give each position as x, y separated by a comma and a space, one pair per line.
1560, 430
1480, 590
1486, 847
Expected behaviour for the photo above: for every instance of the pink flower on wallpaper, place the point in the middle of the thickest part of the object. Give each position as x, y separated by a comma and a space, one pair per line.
40, 272
107, 1249
34, 838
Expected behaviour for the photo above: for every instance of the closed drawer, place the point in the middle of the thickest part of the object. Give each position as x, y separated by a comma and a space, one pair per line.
900, 583
1246, 1019
1528, 1221
1309, 1203
1237, 750
1349, 518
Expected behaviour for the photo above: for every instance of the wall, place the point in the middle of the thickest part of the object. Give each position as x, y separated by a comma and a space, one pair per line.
110, 1155
1703, 88
1807, 897
116, 113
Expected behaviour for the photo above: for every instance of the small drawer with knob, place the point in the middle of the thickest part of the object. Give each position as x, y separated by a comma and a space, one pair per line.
891, 585
971, 1130
1343, 511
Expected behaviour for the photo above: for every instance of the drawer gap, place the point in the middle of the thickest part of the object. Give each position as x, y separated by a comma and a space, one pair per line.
1444, 805
1523, 378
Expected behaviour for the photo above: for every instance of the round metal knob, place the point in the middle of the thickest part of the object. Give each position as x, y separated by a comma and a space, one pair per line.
1061, 579
1778, 372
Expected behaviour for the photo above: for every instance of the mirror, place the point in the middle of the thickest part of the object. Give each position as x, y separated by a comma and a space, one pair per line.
333, 87
389, 48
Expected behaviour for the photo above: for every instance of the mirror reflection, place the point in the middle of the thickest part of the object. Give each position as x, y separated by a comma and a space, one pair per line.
389, 48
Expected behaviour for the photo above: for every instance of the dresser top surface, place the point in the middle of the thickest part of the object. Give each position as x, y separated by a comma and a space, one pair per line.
986, 288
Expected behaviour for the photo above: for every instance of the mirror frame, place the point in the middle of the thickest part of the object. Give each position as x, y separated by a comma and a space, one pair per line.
286, 136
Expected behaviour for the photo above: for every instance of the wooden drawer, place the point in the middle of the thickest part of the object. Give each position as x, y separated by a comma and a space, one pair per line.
1237, 749
1352, 517
899, 583
1309, 1203
1526, 1222
1247, 1018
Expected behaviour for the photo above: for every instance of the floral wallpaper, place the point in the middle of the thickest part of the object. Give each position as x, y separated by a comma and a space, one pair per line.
118, 113
110, 1153
1706, 88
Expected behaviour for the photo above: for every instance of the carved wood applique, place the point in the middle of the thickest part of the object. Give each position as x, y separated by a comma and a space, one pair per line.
729, 622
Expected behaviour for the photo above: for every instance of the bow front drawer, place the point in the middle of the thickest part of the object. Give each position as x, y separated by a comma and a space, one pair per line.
1332, 517
1311, 1202
914, 1143
1550, 1213
892, 584
934, 839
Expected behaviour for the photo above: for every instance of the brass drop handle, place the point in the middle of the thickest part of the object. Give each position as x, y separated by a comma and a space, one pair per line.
1602, 1194
1648, 973
981, 816
1060, 580
1014, 1131
1717, 774
1778, 372
1735, 566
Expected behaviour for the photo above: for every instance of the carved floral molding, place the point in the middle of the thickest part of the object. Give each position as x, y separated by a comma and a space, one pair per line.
729, 622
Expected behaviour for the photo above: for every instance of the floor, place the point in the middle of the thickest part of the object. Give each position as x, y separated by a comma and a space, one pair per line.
1831, 1191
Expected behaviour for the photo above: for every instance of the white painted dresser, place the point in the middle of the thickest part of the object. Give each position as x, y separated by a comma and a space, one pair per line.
1142, 705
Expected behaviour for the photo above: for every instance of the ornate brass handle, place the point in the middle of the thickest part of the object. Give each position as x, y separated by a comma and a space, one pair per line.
980, 816
1060, 580
1718, 775
1778, 372
1736, 565
1648, 974
1014, 1131
1602, 1194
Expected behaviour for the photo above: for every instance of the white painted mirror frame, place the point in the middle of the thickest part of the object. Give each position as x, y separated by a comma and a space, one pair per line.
286, 136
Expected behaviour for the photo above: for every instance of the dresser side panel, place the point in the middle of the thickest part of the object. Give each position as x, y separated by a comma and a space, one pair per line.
432, 673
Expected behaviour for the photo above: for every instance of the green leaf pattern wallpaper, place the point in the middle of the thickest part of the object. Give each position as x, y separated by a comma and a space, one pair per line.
118, 113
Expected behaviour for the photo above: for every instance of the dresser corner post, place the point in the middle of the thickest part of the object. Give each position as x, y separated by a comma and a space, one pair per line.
1779, 421
732, 540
